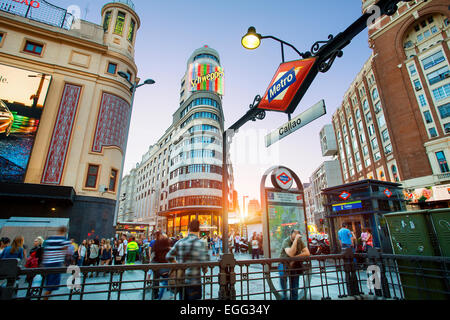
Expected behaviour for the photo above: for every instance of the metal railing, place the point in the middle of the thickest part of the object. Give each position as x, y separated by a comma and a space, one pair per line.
40, 11
339, 276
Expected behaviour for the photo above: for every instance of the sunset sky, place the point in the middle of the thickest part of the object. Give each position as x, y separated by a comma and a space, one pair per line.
171, 30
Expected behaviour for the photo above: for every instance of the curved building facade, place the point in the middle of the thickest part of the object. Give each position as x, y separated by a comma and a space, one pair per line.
180, 178
61, 156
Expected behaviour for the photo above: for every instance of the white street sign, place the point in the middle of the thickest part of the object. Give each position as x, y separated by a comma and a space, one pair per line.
313, 113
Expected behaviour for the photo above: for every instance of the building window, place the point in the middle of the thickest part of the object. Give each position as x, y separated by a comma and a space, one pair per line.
131, 30
92, 174
1, 37
365, 150
365, 105
357, 114
368, 117
112, 180
112, 68
447, 127
444, 110
375, 94
412, 70
395, 173
433, 60
388, 149
381, 121
107, 21
368, 162
438, 75
34, 48
378, 107
442, 161
374, 143
442, 92
371, 129
433, 132
385, 135
422, 100
362, 137
428, 118
120, 22
417, 85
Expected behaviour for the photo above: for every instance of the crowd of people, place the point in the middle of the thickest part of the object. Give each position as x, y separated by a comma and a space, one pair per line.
58, 251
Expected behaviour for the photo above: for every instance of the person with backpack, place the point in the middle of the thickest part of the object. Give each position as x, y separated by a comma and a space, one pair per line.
190, 250
94, 253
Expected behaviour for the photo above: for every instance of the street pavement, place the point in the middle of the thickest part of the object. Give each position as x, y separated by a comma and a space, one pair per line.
251, 284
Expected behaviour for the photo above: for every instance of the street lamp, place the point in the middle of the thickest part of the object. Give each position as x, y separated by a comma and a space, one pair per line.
251, 40
133, 88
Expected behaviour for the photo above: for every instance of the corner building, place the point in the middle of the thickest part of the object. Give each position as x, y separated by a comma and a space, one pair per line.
61, 155
394, 121
180, 178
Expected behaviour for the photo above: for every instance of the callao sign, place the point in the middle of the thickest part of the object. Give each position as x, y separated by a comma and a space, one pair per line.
285, 90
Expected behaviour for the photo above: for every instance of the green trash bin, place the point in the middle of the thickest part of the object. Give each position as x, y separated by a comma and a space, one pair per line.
441, 224
412, 234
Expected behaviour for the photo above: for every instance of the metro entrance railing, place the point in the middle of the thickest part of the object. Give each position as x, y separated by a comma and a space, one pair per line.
328, 277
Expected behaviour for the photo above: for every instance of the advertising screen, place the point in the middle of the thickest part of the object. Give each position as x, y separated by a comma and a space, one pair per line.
206, 77
285, 212
22, 100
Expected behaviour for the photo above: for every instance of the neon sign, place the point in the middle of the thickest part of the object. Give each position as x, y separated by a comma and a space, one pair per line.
206, 77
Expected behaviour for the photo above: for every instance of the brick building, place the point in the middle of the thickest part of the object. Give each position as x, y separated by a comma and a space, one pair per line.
394, 124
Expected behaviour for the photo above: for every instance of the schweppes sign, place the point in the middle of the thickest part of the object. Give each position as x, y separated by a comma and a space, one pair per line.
206, 77
288, 85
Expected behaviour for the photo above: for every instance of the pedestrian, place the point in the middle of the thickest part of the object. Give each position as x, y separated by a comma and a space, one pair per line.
260, 244
93, 255
82, 250
346, 237
237, 241
75, 253
218, 244
161, 247
115, 252
34, 259
15, 250
125, 244
190, 250
55, 250
213, 244
132, 251
106, 253
255, 246
120, 253
292, 246
367, 239
4, 242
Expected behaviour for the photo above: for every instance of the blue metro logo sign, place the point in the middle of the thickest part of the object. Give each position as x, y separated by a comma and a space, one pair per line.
288, 85
284, 178
344, 195
282, 84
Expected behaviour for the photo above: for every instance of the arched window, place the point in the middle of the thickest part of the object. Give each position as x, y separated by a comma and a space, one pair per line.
375, 94
395, 173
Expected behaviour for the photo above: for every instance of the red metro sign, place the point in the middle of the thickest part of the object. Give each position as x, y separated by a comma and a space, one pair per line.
288, 86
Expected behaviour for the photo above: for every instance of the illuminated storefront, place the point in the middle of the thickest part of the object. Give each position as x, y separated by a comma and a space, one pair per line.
178, 222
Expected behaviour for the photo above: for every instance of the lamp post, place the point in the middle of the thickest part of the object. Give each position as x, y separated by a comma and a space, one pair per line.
133, 88
325, 52
244, 215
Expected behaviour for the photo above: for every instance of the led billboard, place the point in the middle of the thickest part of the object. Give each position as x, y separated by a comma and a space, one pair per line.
206, 77
22, 100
